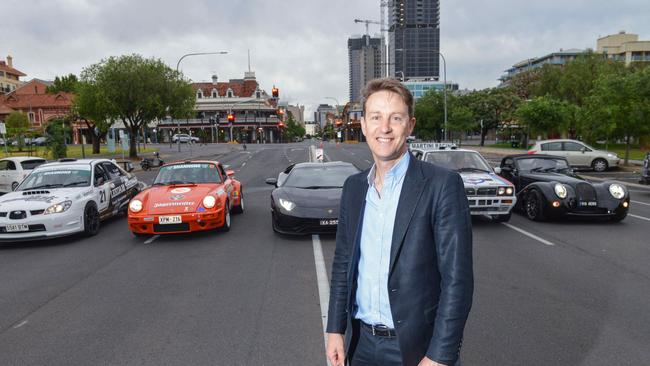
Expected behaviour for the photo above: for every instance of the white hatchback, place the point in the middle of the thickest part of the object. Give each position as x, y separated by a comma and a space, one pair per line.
579, 154
13, 170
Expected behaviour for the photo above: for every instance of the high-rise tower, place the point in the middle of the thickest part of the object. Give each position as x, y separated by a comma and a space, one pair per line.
364, 56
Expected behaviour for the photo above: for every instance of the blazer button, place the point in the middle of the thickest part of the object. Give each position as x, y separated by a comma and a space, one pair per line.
393, 290
399, 322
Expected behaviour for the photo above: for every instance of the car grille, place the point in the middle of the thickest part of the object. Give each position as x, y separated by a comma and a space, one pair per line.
32, 228
585, 192
17, 215
486, 192
36, 212
171, 228
3, 214
470, 191
33, 193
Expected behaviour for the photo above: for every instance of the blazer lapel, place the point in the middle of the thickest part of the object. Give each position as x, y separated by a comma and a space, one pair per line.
411, 191
357, 210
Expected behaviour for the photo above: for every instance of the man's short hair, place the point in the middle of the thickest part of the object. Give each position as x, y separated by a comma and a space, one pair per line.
391, 85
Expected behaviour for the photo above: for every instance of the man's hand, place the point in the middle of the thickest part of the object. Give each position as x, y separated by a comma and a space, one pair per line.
335, 349
428, 362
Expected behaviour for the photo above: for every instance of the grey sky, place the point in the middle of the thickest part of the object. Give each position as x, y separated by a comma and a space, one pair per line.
298, 45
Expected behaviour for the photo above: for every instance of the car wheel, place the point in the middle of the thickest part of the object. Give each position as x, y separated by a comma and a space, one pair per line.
534, 206
501, 218
226, 218
91, 220
599, 165
14, 185
240, 208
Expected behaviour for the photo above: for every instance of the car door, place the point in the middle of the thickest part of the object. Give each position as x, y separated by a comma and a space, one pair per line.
575, 154
102, 188
227, 183
3, 175
13, 175
118, 186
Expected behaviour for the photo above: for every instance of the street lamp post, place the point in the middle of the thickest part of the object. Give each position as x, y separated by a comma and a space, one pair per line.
178, 123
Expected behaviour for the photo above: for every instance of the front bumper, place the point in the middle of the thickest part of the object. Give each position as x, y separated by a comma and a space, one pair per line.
196, 221
491, 205
42, 227
294, 225
604, 209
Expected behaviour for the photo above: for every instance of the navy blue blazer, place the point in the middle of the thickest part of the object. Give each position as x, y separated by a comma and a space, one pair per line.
430, 281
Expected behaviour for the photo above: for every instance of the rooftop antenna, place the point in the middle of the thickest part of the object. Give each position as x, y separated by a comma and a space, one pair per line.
249, 60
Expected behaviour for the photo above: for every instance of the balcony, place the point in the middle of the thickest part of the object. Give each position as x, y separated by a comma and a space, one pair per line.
240, 120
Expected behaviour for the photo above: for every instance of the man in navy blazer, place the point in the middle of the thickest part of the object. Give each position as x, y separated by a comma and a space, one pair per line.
402, 277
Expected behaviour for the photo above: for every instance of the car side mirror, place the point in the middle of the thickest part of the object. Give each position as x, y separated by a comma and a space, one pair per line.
583, 150
230, 173
497, 170
272, 181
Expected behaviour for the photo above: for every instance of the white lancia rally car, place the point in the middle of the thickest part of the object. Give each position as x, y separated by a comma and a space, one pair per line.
488, 194
66, 197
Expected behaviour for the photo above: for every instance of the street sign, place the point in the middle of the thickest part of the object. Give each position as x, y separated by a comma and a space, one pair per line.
3, 128
318, 153
110, 140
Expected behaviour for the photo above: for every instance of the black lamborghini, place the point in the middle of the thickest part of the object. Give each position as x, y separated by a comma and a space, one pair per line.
548, 188
307, 196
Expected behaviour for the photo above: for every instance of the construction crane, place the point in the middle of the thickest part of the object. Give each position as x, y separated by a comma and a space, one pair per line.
367, 22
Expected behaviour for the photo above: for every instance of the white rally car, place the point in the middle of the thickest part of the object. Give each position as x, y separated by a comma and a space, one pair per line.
66, 197
487, 193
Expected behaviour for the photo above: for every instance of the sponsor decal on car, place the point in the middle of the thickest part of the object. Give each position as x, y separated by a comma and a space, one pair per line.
173, 204
181, 190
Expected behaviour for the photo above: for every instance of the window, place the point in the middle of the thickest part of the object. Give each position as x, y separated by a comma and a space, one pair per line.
573, 146
229, 93
258, 94
199, 94
31, 117
552, 146
223, 172
214, 93
113, 171
31, 164
100, 175
3, 164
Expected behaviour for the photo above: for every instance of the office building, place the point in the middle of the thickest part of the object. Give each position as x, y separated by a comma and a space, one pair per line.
364, 57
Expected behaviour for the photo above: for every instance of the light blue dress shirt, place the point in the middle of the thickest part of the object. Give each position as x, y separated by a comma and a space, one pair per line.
373, 305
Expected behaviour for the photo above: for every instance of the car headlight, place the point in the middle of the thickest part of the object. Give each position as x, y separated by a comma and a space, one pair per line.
505, 191
135, 206
58, 208
286, 204
209, 201
560, 190
617, 191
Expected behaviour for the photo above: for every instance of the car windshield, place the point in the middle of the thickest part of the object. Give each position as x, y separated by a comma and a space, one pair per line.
58, 177
31, 164
319, 177
458, 160
542, 164
193, 173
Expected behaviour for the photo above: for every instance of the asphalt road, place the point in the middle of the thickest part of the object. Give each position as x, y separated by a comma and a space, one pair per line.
569, 293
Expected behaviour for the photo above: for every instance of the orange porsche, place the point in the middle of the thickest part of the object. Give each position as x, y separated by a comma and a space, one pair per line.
187, 196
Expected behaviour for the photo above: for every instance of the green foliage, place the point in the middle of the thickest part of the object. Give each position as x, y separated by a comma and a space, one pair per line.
544, 115
429, 115
17, 125
293, 129
491, 107
138, 90
66, 83
55, 133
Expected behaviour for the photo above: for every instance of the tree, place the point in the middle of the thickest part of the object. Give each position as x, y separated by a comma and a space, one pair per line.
491, 107
293, 129
461, 119
17, 125
67, 83
620, 105
91, 107
138, 90
429, 114
55, 133
543, 115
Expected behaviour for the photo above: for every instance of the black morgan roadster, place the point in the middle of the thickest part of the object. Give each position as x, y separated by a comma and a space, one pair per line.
547, 188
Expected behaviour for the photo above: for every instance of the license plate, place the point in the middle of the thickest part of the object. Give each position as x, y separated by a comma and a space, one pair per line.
169, 220
329, 222
588, 203
13, 228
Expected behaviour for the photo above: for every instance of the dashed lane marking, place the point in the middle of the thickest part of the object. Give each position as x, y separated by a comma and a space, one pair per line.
639, 217
530, 235
150, 240
640, 203
323, 283
20, 324
243, 164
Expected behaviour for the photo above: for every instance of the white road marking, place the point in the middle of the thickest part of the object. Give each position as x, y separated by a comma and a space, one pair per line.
640, 203
20, 324
243, 164
323, 283
150, 240
530, 235
639, 217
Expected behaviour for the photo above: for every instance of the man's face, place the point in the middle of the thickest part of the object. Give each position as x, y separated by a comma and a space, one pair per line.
386, 125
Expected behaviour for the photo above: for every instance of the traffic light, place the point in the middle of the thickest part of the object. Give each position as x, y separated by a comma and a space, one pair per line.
231, 118
280, 124
275, 92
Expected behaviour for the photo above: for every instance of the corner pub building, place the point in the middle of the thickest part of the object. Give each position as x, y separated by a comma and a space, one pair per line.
253, 113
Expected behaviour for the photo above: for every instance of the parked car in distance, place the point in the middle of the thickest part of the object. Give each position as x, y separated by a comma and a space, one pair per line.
13, 170
645, 171
184, 138
39, 141
579, 154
